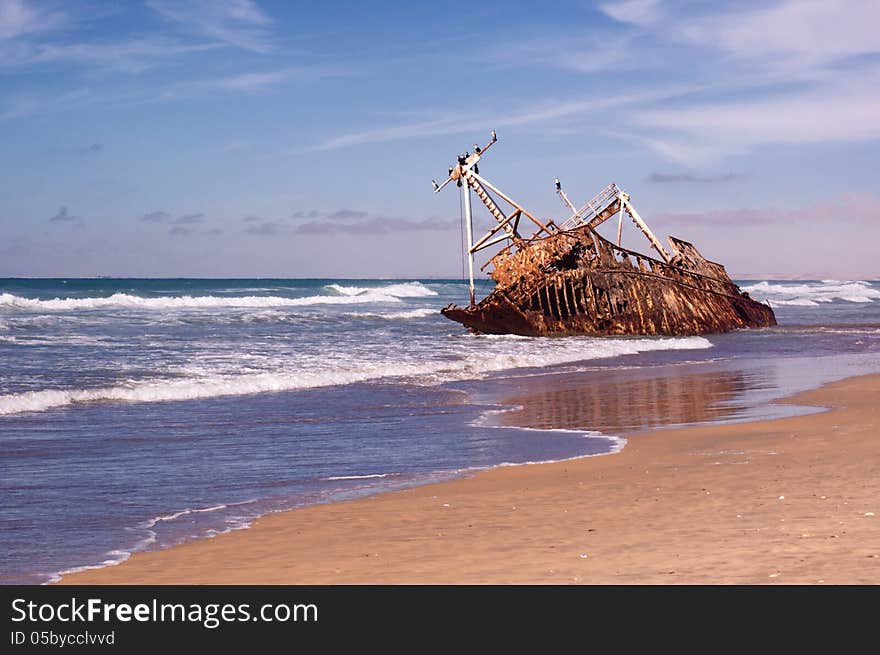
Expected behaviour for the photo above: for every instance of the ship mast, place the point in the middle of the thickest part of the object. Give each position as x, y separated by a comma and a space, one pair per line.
468, 220
461, 173
466, 174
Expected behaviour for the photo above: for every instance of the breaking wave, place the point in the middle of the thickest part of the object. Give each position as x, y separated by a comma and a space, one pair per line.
809, 294
404, 290
338, 295
512, 355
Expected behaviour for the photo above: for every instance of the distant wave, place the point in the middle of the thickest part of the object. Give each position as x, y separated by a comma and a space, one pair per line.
199, 385
393, 316
283, 315
808, 294
339, 295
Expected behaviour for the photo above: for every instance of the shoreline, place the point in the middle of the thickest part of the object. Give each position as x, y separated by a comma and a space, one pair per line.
746, 502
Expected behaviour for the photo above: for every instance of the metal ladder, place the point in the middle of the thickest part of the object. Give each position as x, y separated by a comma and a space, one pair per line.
595, 206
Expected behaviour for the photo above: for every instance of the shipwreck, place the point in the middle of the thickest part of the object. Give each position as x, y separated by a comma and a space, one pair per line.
567, 279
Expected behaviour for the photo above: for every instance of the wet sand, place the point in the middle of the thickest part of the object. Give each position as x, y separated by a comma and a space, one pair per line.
793, 500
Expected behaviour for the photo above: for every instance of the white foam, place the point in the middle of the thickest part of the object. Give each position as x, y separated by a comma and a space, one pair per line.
394, 316
439, 367
119, 556
794, 302
808, 294
403, 290
357, 477
176, 515
114, 557
485, 420
617, 444
343, 296
66, 340
122, 556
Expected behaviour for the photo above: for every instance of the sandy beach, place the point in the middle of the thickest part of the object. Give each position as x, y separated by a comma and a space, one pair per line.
793, 500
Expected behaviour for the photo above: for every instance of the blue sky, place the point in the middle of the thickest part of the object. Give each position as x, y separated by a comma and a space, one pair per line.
258, 138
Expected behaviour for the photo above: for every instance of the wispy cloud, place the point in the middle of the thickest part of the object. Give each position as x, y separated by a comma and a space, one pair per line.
861, 208
341, 221
782, 79
239, 23
156, 217
791, 33
26, 105
46, 103
90, 150
347, 214
78, 151
576, 52
375, 226
165, 217
18, 18
703, 132
135, 55
687, 178
252, 82
189, 219
311, 213
268, 229
637, 12
64, 216
456, 124
182, 231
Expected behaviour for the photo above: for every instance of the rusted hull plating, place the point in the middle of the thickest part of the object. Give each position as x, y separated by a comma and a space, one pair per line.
575, 282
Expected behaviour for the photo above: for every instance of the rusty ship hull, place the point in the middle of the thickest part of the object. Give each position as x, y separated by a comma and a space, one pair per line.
578, 283
568, 279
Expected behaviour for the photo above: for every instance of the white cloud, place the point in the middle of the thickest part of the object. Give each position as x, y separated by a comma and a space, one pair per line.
251, 81
637, 12
578, 52
812, 32
18, 18
239, 23
786, 72
456, 124
133, 56
703, 132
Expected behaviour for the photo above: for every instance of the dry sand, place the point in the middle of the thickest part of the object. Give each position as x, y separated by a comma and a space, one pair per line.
794, 500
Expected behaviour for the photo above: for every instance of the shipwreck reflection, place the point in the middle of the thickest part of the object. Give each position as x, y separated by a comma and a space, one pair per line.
612, 404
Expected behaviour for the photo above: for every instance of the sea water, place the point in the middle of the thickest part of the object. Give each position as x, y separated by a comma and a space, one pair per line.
138, 414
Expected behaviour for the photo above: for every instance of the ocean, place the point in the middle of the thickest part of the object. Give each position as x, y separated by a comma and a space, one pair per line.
136, 414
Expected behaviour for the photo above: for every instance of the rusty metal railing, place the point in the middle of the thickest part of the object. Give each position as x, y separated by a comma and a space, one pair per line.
593, 207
